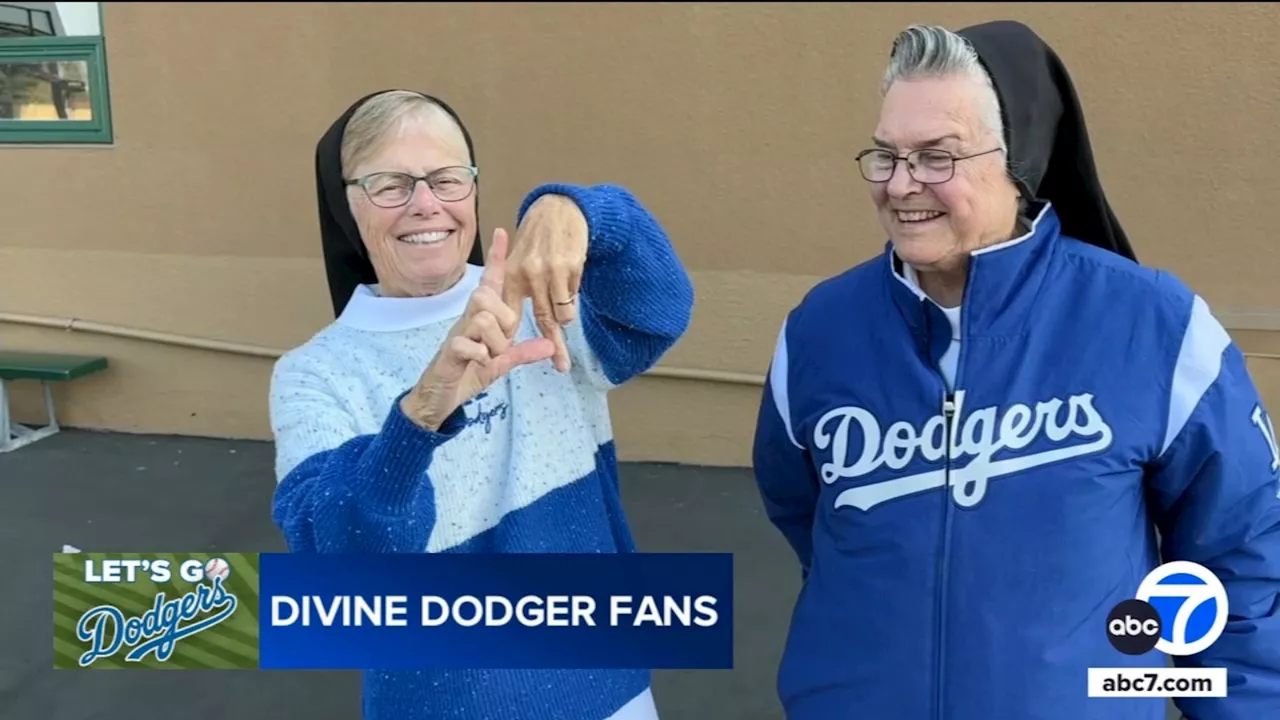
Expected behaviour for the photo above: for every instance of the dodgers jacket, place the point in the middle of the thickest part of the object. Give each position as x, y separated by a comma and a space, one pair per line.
1095, 403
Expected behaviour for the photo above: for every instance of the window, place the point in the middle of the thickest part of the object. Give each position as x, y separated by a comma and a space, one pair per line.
53, 73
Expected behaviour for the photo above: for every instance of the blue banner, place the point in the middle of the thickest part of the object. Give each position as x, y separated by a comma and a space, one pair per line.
427, 610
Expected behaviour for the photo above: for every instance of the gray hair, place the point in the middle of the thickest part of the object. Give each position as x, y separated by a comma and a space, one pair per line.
386, 114
930, 51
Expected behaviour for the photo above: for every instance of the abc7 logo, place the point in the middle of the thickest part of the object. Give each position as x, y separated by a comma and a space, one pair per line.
1194, 605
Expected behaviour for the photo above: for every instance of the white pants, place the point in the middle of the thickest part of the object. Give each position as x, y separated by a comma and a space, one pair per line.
640, 707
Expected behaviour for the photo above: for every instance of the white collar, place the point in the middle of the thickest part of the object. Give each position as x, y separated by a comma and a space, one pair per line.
369, 310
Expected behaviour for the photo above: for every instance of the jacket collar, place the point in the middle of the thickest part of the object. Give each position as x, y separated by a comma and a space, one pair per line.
1001, 287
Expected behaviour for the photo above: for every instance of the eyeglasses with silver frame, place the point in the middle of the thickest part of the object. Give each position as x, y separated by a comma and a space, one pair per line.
927, 166
394, 189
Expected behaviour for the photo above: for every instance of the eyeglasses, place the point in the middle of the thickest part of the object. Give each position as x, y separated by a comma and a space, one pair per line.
928, 167
394, 189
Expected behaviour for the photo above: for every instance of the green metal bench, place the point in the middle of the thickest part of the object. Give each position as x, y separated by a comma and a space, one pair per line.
47, 368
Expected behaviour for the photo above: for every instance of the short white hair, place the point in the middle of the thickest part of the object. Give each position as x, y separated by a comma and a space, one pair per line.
930, 51
386, 114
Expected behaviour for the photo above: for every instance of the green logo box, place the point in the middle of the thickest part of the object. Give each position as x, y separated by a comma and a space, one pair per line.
155, 611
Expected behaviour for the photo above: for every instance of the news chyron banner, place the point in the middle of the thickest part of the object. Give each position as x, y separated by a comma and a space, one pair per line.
234, 611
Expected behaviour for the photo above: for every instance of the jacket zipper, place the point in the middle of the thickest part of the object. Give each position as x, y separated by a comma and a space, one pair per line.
948, 411
940, 597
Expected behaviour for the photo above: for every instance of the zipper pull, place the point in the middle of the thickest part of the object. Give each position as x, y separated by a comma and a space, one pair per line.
949, 411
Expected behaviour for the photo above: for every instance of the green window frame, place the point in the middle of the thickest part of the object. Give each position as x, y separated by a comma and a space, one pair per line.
90, 49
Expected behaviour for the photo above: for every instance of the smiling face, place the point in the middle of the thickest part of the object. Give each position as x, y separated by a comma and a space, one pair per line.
421, 247
936, 226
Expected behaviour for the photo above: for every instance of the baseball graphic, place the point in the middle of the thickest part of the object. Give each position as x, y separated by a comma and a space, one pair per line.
217, 568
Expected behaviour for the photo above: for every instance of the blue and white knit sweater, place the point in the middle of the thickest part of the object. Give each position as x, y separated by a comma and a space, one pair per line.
526, 467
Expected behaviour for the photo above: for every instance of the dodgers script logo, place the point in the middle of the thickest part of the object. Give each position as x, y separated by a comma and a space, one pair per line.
160, 628
1074, 424
482, 415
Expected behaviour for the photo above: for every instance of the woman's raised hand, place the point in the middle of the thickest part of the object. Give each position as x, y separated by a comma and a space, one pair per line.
547, 266
478, 350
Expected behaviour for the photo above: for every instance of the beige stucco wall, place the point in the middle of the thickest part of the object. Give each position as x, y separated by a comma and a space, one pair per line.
200, 219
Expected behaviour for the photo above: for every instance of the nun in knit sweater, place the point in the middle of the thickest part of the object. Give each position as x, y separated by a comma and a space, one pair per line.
458, 404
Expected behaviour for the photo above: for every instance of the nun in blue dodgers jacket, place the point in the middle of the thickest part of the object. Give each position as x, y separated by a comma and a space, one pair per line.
1089, 402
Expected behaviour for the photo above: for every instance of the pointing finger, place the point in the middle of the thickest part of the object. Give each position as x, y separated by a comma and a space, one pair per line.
514, 289
544, 313
495, 266
561, 358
